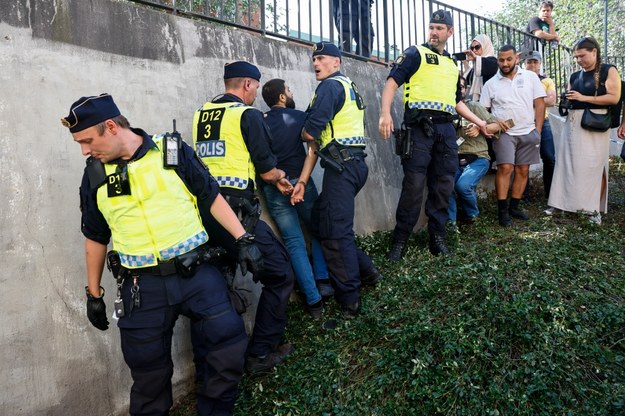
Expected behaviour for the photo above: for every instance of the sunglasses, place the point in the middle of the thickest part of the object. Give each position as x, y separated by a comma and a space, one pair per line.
475, 48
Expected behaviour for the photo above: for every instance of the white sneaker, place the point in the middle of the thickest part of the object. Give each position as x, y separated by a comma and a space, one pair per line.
551, 211
595, 218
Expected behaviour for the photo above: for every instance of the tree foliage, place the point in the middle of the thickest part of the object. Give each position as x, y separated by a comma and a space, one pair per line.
574, 19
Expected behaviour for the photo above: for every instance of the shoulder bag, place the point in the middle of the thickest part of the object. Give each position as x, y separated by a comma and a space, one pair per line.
595, 121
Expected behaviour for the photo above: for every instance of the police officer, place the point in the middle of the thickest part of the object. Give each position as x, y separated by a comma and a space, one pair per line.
151, 207
431, 97
232, 139
335, 124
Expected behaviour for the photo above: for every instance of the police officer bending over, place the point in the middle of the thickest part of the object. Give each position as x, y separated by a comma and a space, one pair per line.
149, 195
232, 139
335, 124
431, 97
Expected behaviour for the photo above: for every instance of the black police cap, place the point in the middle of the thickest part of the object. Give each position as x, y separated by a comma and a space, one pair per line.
326, 48
89, 111
241, 69
443, 17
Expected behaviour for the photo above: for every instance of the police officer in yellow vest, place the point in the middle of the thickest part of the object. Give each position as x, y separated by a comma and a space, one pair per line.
149, 195
335, 125
232, 139
431, 97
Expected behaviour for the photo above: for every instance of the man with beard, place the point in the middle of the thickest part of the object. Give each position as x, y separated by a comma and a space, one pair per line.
514, 94
285, 124
431, 98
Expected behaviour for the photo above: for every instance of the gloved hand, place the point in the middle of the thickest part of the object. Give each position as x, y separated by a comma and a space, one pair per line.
249, 254
96, 310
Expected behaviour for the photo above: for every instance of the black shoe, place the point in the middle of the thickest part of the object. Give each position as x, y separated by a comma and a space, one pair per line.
315, 310
397, 251
438, 245
504, 219
325, 288
371, 277
351, 310
262, 365
518, 213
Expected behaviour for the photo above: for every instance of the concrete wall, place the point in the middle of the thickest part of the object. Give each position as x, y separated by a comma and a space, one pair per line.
158, 67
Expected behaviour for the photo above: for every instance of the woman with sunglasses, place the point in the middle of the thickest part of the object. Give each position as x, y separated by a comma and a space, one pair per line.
483, 65
580, 178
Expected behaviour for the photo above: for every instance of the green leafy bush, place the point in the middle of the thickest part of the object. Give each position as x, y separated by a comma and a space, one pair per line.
521, 321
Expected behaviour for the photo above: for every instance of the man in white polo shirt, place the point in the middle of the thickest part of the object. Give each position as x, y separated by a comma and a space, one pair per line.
514, 94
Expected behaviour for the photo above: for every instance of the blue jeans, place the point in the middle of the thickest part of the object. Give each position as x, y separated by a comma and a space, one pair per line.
467, 178
287, 218
548, 155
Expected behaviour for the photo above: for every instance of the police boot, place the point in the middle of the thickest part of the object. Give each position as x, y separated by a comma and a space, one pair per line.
370, 277
397, 250
438, 245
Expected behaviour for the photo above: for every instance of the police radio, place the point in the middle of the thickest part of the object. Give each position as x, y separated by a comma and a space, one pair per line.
171, 143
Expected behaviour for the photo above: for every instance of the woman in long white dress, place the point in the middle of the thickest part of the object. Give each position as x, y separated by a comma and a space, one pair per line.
580, 179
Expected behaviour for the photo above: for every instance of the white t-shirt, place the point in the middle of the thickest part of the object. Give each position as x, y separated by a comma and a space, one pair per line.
513, 99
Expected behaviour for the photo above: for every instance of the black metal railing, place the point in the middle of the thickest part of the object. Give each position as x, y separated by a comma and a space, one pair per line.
375, 31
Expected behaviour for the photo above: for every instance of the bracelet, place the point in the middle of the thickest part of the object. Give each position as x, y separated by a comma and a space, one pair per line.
90, 296
302, 182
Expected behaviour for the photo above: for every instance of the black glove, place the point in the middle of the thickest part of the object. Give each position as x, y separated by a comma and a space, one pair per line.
249, 254
96, 311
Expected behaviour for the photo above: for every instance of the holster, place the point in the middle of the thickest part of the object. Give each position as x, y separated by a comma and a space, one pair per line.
248, 211
331, 158
403, 142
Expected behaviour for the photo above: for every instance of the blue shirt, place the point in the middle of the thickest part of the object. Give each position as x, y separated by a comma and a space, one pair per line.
328, 101
408, 63
285, 125
191, 170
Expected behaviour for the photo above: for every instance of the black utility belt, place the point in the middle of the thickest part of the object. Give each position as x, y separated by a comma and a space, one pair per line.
438, 119
183, 264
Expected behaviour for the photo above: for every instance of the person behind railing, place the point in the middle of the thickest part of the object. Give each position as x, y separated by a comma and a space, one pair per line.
580, 178
431, 98
473, 160
353, 21
547, 149
543, 26
480, 65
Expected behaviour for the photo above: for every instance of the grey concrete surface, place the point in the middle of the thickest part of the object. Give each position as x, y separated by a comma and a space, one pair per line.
158, 67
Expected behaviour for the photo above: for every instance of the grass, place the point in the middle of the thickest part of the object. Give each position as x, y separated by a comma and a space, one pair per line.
522, 321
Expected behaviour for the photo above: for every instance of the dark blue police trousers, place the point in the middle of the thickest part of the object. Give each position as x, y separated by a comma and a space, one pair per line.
146, 335
277, 279
435, 161
333, 225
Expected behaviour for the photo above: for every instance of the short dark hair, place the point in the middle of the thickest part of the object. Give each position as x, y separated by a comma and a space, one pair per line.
272, 90
120, 120
507, 47
546, 3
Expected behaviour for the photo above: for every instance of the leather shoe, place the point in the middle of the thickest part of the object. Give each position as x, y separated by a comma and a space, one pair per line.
351, 310
397, 251
325, 288
438, 245
504, 219
371, 277
518, 213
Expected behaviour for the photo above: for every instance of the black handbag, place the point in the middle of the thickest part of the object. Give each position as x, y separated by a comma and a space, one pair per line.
595, 121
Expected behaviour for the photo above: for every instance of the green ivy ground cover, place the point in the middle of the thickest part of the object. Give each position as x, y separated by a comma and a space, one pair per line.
522, 321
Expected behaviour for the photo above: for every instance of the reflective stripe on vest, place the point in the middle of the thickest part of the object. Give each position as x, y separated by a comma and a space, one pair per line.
219, 142
159, 220
433, 86
348, 125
